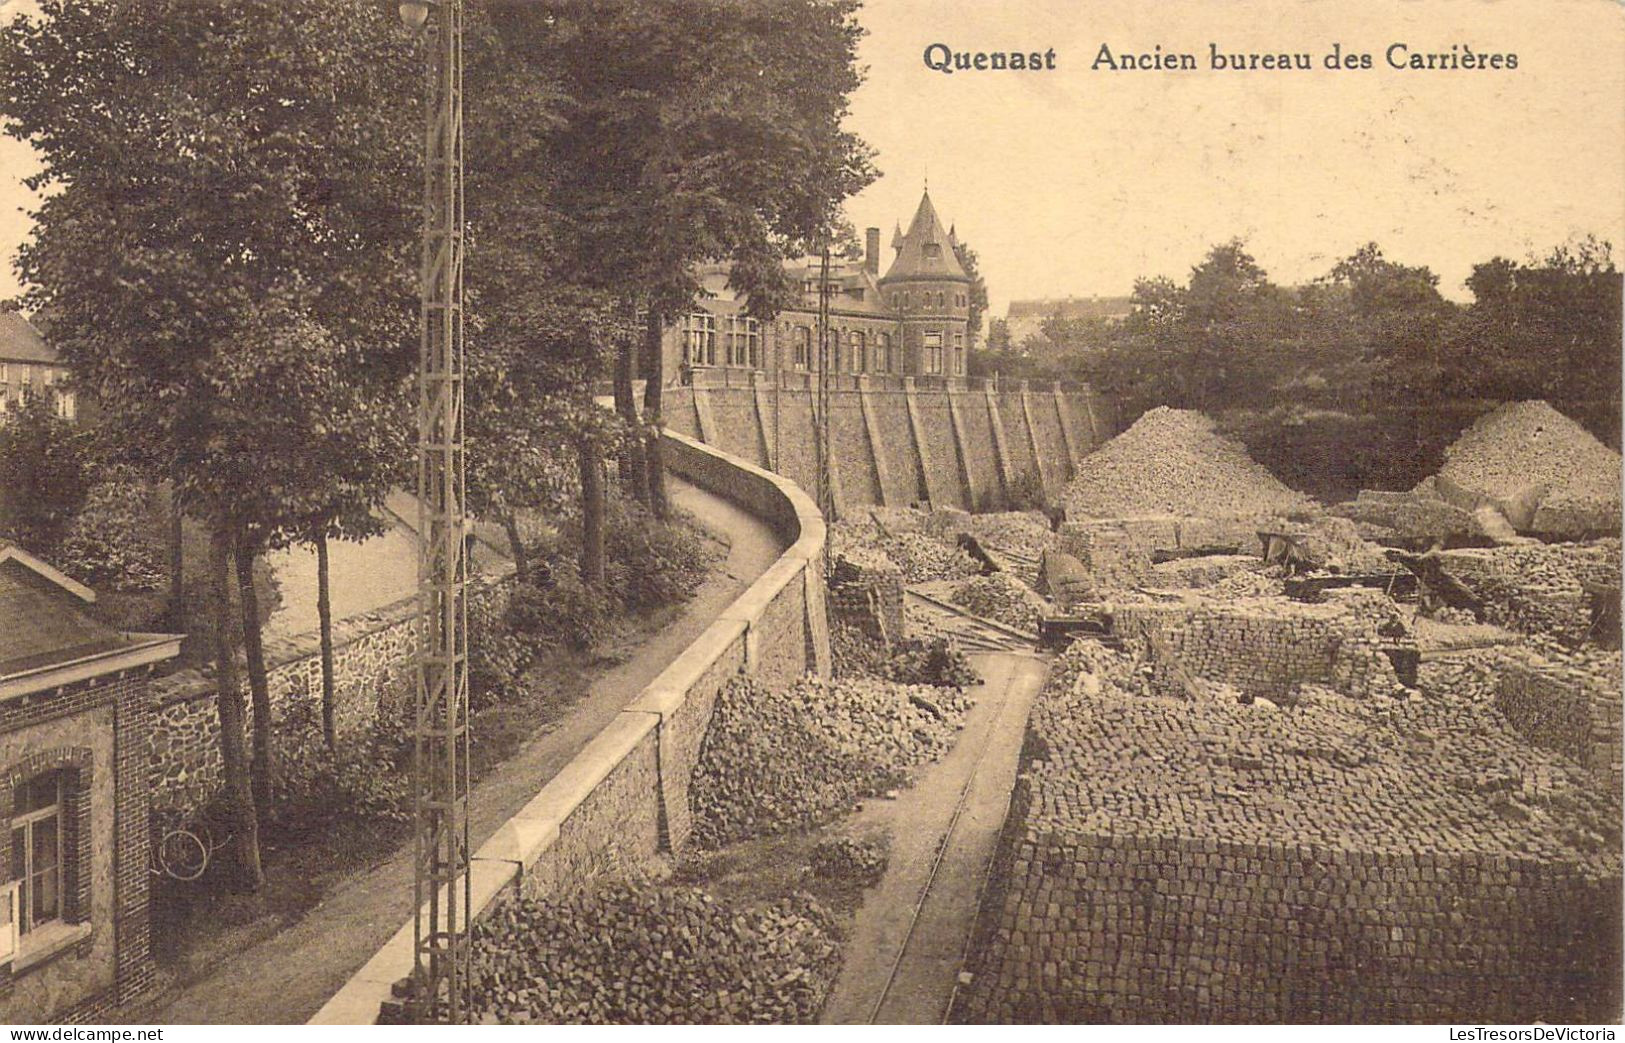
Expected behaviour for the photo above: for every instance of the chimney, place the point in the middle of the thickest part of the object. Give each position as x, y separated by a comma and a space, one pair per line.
871, 250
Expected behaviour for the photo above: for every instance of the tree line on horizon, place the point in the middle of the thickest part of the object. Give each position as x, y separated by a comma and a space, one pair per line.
1357, 379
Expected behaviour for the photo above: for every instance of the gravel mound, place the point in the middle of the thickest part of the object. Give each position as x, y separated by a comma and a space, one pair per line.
1526, 458
1173, 461
772, 762
627, 955
920, 556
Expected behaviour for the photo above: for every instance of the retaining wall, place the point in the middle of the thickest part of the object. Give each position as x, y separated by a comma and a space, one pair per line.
622, 802
896, 442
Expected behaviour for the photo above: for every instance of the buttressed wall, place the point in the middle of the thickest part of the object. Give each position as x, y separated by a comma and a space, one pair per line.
896, 443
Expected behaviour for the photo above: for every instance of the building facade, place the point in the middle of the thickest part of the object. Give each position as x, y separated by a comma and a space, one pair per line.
75, 713
912, 321
30, 366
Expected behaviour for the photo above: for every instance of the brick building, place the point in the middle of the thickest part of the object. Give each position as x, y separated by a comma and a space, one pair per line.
29, 365
911, 321
74, 758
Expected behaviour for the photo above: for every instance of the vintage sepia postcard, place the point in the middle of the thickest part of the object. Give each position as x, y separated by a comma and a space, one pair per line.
811, 512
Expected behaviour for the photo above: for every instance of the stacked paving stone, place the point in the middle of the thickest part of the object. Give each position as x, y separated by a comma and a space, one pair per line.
919, 555
1173, 461
1541, 470
1568, 702
640, 954
1538, 588
1201, 572
775, 761
1266, 646
1340, 861
1421, 513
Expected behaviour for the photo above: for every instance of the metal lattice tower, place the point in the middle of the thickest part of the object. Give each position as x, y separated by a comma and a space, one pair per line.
440, 775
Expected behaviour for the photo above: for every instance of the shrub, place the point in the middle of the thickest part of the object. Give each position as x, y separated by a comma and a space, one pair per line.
656, 563
566, 612
1027, 492
359, 781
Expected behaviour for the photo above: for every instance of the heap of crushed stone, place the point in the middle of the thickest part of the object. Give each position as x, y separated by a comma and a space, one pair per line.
1540, 469
1173, 461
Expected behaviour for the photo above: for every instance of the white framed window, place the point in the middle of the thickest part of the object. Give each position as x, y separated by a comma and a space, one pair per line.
742, 342
854, 349
931, 360
959, 354
802, 343
66, 407
700, 339
37, 850
882, 357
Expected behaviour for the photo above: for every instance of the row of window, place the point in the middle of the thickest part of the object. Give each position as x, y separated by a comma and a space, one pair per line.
740, 340
929, 299
62, 401
852, 352
931, 356
735, 340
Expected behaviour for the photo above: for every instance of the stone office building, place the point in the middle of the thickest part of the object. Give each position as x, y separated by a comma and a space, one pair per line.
911, 321
74, 755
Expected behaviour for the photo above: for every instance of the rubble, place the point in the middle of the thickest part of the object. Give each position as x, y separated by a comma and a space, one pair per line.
795, 758
1174, 462
1538, 589
919, 555
862, 862
642, 954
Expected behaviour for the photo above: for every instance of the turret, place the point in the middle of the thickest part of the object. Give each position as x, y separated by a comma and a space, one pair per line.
928, 289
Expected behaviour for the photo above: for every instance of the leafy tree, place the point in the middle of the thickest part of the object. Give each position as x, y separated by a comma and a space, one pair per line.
44, 475
715, 132
978, 287
227, 256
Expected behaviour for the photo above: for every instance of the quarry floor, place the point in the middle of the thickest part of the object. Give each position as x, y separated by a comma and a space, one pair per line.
910, 934
286, 977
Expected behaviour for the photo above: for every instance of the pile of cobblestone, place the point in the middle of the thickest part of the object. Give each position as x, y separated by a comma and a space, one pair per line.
1341, 861
1540, 469
774, 761
919, 555
1173, 461
1017, 539
639, 955
1002, 598
1537, 588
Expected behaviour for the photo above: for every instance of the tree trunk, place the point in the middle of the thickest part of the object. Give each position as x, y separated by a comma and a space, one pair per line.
516, 545
654, 460
592, 513
229, 698
259, 686
324, 616
634, 479
177, 551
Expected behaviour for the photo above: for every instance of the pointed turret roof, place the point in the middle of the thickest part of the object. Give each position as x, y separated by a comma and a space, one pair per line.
926, 249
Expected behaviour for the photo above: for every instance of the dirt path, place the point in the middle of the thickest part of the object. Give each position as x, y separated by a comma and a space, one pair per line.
909, 938
286, 978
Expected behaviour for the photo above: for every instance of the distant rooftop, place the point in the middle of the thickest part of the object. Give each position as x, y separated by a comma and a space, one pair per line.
20, 341
1071, 308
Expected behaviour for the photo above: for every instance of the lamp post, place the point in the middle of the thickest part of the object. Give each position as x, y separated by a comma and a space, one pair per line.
440, 750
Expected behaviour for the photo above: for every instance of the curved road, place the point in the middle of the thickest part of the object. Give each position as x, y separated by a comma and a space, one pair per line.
287, 977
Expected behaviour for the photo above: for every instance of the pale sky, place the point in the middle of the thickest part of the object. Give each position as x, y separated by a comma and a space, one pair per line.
1076, 181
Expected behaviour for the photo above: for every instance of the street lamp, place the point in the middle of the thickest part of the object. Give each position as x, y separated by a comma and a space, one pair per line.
415, 13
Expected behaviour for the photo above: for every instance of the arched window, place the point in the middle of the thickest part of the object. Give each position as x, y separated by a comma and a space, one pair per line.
854, 350
959, 354
882, 358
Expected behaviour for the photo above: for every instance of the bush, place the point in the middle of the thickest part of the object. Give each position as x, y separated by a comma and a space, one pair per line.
566, 612
315, 787
655, 563
1027, 492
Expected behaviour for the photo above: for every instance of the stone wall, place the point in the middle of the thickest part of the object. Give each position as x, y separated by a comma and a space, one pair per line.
621, 805
1346, 861
373, 672
959, 443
